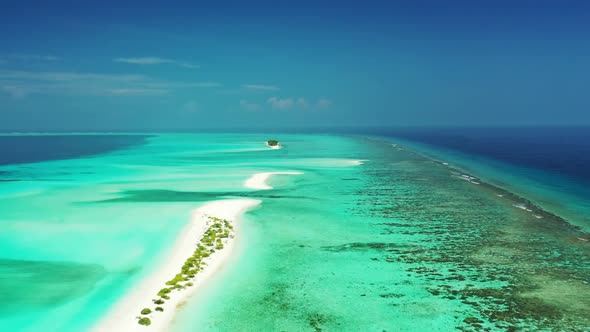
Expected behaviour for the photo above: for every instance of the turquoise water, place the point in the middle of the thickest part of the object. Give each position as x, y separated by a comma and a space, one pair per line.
400, 243
80, 233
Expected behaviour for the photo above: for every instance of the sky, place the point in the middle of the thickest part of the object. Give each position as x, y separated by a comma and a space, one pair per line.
140, 66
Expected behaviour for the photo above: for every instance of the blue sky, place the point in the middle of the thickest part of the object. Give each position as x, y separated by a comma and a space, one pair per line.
191, 65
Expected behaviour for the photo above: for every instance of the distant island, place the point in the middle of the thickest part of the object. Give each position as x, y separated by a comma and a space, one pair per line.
273, 144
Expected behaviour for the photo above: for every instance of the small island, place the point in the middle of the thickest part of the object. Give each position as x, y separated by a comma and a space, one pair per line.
273, 144
216, 236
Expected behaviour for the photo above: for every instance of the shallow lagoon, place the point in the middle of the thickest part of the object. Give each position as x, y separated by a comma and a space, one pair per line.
398, 243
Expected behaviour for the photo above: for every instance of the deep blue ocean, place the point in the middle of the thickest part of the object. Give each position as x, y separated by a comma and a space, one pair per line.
18, 149
549, 165
562, 150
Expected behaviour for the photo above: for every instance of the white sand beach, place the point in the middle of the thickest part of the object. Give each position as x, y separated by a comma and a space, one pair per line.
358, 162
258, 180
123, 316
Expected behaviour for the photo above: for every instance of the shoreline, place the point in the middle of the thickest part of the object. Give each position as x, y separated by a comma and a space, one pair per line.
123, 315
258, 180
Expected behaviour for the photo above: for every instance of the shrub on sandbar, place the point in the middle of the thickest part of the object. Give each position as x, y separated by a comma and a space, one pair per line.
144, 321
159, 309
175, 280
159, 301
146, 311
163, 292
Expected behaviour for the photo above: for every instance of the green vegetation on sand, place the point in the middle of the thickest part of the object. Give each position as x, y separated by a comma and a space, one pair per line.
144, 321
212, 240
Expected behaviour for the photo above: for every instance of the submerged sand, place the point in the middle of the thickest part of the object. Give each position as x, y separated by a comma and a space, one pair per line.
123, 316
258, 180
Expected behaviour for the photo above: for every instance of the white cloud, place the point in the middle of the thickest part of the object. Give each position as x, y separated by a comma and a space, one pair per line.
302, 102
249, 106
66, 76
298, 103
135, 92
260, 87
22, 83
155, 61
14, 91
27, 57
204, 85
37, 57
170, 85
184, 84
323, 103
279, 103
144, 60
